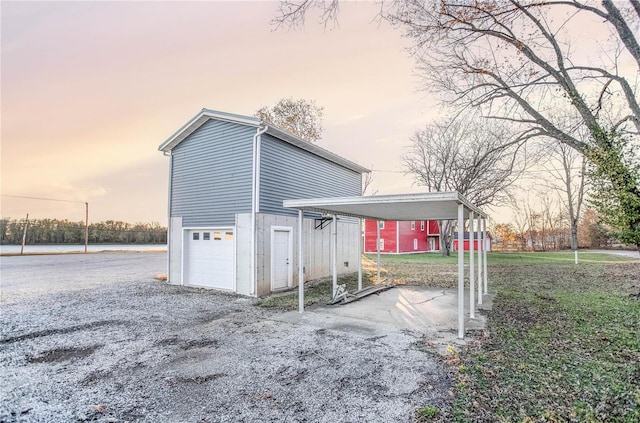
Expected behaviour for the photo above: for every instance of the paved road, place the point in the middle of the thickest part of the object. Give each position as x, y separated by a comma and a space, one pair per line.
28, 276
624, 253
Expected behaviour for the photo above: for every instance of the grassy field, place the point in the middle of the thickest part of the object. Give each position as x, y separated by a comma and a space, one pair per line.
562, 343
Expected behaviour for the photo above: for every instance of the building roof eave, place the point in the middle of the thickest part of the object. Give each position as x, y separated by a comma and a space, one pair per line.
200, 119
315, 149
205, 114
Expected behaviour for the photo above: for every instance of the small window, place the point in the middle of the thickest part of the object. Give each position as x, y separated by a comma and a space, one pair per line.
422, 225
206, 236
415, 244
217, 236
228, 236
381, 244
381, 224
413, 225
196, 236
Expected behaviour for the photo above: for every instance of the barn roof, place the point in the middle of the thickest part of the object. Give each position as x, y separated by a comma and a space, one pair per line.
206, 114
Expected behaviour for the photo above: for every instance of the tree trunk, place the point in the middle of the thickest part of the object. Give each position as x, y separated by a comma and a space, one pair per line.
446, 236
574, 234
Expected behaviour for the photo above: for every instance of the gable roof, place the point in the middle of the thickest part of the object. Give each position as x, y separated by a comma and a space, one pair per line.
206, 114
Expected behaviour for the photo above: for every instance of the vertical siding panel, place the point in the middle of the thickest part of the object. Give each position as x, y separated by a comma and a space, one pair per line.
212, 173
288, 172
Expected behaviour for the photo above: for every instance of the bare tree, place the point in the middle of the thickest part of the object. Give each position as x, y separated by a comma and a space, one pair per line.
592, 233
566, 169
520, 222
366, 184
463, 155
520, 60
300, 117
292, 14
514, 58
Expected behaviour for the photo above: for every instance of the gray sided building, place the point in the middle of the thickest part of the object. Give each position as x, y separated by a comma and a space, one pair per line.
228, 230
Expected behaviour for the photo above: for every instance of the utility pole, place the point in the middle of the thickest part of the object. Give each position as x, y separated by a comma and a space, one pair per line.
86, 227
24, 234
86, 216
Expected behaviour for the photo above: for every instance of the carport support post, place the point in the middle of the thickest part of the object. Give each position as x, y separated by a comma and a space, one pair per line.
480, 248
300, 262
359, 254
460, 271
334, 245
378, 250
472, 279
484, 251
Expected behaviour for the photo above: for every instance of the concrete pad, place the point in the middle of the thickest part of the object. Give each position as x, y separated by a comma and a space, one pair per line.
416, 310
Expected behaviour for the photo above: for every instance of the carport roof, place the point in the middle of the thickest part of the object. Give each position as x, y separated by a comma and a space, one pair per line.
421, 206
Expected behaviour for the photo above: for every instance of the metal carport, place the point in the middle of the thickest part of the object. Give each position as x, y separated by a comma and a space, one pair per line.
422, 206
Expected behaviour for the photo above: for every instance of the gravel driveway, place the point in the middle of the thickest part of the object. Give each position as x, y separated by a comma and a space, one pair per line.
95, 338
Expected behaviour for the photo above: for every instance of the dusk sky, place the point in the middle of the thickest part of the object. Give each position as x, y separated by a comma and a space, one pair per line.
91, 89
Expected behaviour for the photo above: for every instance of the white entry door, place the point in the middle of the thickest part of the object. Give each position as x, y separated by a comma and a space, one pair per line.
209, 258
281, 258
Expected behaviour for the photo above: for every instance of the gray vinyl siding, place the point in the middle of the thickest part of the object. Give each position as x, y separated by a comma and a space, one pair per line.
288, 172
212, 173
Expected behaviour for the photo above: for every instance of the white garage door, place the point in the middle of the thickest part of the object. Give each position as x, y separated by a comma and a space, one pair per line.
209, 258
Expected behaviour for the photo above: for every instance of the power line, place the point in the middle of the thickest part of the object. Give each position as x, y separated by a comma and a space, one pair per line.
86, 213
388, 171
41, 198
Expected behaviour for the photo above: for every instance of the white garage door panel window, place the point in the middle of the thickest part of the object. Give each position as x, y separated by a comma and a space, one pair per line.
209, 258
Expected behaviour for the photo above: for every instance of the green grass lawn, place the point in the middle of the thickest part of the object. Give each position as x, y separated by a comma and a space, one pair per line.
504, 258
562, 343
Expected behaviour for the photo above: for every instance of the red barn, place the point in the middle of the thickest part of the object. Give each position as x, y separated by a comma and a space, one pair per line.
476, 242
415, 236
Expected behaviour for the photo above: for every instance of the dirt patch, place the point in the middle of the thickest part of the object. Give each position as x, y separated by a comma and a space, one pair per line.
187, 345
168, 342
211, 317
95, 377
195, 380
63, 354
200, 343
60, 331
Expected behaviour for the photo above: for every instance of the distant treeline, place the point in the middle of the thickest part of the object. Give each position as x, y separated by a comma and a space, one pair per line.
55, 231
